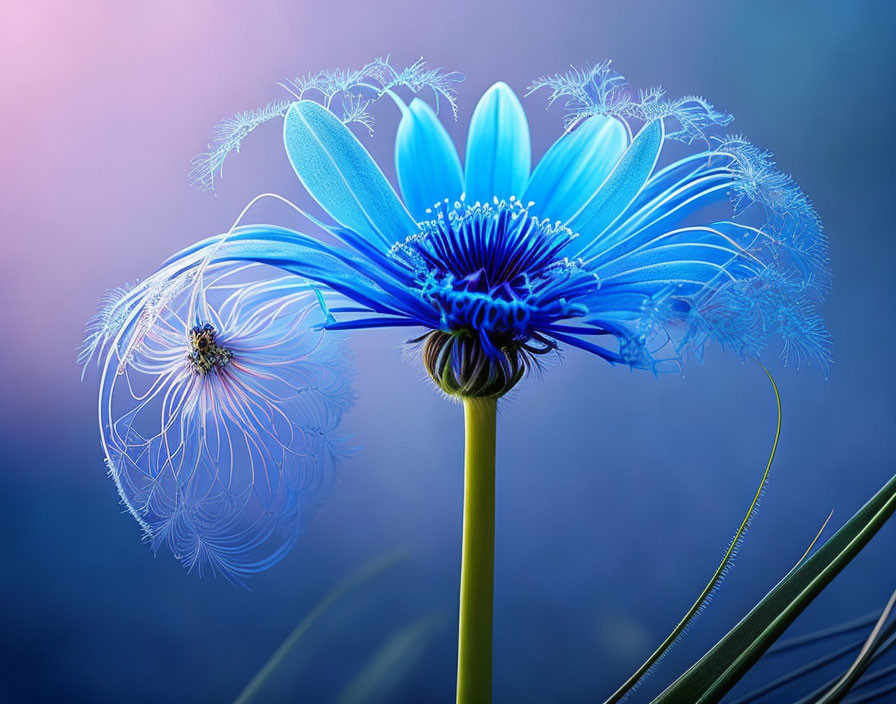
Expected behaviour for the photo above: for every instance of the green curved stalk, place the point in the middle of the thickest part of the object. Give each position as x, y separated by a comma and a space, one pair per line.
718, 575
477, 573
726, 663
874, 696
823, 634
863, 660
885, 647
799, 672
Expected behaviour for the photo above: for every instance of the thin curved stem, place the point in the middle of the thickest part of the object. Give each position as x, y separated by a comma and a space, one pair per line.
823, 634
863, 660
716, 579
477, 573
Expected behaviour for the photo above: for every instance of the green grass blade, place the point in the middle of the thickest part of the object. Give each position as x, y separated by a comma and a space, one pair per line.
727, 560
727, 662
880, 649
391, 662
802, 671
823, 634
876, 675
864, 658
812, 697
874, 695
350, 583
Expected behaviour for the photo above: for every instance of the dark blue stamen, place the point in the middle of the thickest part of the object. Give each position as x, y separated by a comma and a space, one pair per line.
494, 269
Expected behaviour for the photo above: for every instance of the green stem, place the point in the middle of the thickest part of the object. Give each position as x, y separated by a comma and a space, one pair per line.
477, 572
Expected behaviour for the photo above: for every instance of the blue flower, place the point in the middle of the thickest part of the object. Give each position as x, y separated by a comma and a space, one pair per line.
643, 233
219, 404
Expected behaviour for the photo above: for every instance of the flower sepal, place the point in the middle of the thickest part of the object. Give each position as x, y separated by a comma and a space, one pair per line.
460, 365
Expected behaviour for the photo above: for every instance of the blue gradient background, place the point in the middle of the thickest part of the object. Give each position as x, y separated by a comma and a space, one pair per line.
617, 492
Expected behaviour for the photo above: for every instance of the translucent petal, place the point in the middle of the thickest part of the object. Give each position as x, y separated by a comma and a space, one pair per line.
225, 465
620, 187
575, 167
499, 154
691, 262
336, 169
643, 225
426, 161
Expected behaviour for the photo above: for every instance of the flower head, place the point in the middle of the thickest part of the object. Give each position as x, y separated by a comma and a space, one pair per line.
495, 276
608, 244
219, 408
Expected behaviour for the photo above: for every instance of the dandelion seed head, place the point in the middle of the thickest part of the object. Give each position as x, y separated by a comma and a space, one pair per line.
221, 422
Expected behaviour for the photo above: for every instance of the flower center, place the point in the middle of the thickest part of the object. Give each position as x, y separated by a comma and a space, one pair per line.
497, 279
490, 269
205, 353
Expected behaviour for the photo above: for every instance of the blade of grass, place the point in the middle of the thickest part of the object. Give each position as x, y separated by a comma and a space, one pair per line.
872, 677
725, 664
815, 539
865, 681
823, 634
863, 659
387, 666
353, 581
799, 672
812, 639
727, 560
874, 695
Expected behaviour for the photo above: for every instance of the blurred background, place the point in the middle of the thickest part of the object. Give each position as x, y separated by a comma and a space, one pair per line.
617, 492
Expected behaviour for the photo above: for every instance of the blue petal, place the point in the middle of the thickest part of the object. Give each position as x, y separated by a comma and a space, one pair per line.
668, 199
341, 270
699, 262
342, 176
499, 154
575, 341
575, 167
676, 174
642, 226
620, 188
426, 161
